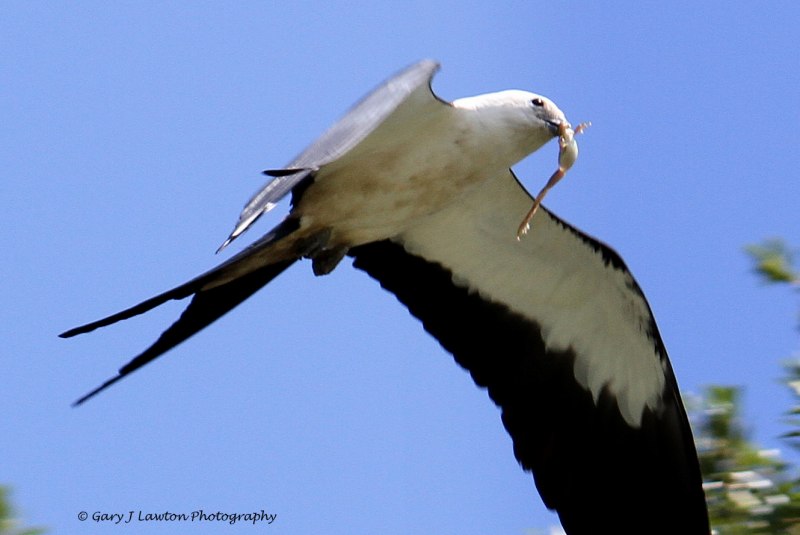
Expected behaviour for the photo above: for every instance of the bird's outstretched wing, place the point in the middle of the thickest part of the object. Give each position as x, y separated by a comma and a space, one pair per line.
364, 117
559, 332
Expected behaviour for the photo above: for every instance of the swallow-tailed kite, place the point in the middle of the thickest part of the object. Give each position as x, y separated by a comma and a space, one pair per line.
420, 193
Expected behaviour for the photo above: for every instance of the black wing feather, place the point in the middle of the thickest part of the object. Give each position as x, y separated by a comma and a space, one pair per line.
600, 474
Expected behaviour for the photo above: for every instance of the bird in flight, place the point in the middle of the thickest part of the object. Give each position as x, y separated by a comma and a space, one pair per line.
420, 193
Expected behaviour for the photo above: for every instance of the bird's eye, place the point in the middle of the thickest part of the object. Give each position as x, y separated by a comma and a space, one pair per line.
537, 102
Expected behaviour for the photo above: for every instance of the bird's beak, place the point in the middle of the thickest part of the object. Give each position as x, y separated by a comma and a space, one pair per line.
554, 126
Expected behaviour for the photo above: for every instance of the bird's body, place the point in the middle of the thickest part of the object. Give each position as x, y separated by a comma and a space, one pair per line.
411, 166
419, 192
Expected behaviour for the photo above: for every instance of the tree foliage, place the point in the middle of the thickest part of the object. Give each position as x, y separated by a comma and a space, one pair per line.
774, 261
9, 525
749, 489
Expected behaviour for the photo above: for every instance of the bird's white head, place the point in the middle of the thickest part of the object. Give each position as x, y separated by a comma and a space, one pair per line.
524, 120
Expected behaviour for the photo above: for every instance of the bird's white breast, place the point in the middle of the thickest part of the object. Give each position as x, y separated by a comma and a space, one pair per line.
424, 157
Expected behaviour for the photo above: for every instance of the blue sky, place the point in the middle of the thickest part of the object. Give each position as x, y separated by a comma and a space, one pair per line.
133, 132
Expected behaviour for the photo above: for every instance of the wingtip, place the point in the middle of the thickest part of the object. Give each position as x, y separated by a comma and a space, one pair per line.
93, 393
69, 333
233, 235
225, 244
244, 224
